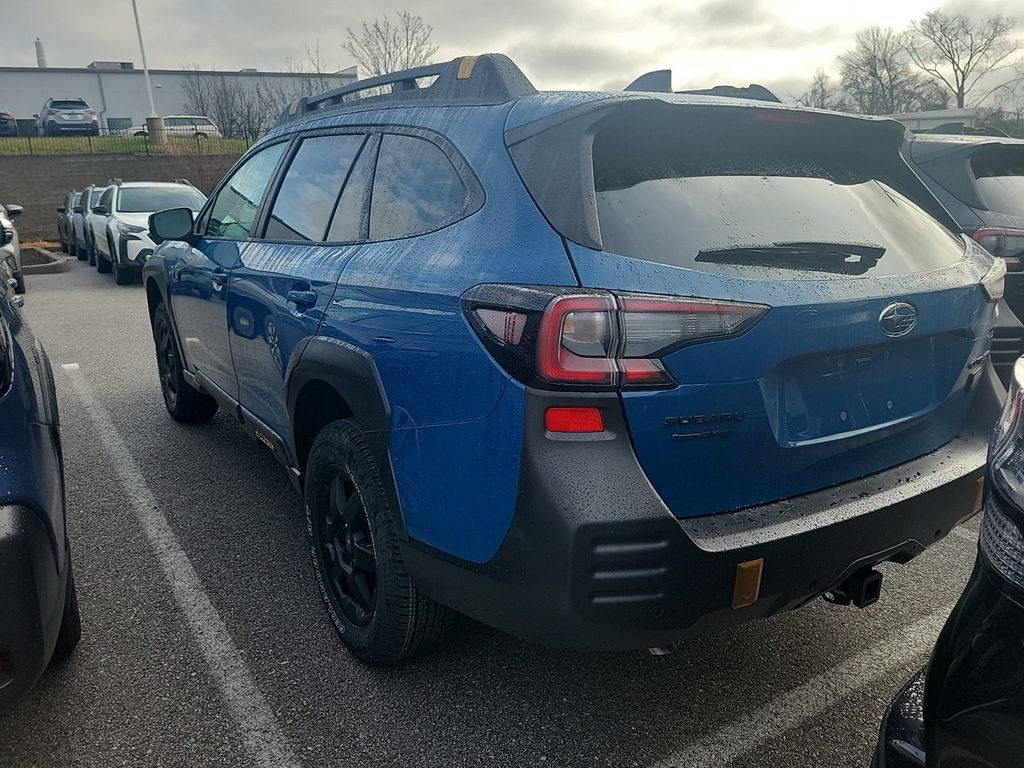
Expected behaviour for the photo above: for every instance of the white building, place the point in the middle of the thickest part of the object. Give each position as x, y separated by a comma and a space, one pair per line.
923, 121
118, 91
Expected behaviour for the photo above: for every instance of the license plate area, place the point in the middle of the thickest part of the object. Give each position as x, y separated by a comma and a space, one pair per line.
821, 397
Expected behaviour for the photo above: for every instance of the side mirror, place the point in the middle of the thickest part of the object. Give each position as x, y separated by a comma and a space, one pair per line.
172, 224
6, 235
14, 210
100, 210
78, 209
36, 116
61, 209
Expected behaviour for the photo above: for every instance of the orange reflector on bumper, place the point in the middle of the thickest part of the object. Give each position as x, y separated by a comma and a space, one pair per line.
748, 583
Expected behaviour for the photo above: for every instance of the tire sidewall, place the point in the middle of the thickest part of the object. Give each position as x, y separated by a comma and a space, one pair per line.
342, 445
160, 317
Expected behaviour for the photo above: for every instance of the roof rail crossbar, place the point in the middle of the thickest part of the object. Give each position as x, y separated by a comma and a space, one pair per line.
402, 81
489, 78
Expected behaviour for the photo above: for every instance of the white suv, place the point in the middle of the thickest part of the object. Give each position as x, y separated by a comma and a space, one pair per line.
124, 244
178, 126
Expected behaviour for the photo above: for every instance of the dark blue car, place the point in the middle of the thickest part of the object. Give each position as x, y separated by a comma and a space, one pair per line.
39, 618
603, 370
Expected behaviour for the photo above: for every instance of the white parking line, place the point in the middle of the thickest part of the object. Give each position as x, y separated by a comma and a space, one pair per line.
796, 706
261, 734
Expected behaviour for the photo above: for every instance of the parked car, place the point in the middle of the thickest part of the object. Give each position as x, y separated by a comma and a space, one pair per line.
966, 708
61, 116
96, 224
39, 618
10, 251
8, 123
80, 245
65, 220
980, 180
605, 371
182, 125
124, 244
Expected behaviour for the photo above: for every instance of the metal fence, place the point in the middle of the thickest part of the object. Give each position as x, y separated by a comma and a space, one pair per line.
123, 142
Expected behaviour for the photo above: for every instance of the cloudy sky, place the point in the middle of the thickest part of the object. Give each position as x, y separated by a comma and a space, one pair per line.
558, 43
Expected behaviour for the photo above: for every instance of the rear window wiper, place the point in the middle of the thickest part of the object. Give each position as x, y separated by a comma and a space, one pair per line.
835, 258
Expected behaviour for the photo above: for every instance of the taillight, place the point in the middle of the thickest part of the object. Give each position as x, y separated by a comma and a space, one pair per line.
561, 337
50, 112
1002, 531
1003, 242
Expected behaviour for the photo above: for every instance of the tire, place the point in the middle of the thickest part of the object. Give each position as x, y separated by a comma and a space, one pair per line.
64, 247
375, 608
19, 283
71, 622
90, 252
78, 253
184, 402
123, 276
103, 265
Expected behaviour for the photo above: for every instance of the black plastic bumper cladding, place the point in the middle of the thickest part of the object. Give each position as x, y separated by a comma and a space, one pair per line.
594, 559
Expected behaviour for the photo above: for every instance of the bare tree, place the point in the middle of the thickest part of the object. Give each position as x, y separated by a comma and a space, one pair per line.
958, 52
245, 107
821, 93
381, 46
877, 75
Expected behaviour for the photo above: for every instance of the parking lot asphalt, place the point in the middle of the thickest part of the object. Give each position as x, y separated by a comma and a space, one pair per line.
205, 642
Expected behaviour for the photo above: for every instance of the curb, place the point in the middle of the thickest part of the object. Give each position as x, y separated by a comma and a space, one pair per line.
57, 264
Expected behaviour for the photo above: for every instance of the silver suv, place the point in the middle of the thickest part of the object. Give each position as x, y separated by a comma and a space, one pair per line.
58, 116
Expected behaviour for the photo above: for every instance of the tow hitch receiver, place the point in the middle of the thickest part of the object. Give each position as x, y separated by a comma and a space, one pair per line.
861, 589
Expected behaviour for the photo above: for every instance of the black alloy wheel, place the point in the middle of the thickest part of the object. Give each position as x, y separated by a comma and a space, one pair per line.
346, 552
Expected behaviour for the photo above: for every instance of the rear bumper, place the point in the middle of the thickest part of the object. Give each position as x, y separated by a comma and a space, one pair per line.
594, 559
31, 600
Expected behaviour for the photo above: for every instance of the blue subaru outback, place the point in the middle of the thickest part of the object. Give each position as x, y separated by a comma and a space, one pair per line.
602, 370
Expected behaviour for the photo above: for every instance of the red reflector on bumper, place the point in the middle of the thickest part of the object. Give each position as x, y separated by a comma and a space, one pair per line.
574, 420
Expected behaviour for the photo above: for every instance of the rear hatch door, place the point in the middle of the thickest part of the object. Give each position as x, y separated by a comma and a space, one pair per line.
877, 326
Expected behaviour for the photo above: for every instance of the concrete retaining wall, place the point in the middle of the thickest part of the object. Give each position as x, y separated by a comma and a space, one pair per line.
40, 183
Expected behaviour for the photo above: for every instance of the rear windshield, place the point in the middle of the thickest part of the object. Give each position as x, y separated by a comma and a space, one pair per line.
68, 104
1000, 175
147, 199
754, 197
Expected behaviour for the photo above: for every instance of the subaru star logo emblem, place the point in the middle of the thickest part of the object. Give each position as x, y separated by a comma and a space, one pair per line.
898, 319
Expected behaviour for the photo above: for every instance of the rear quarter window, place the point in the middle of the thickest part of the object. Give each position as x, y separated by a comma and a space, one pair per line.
416, 189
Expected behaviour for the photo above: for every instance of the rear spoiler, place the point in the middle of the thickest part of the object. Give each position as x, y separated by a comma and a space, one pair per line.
660, 81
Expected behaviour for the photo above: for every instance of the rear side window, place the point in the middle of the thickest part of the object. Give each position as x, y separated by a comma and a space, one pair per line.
349, 217
309, 193
416, 189
107, 198
234, 210
756, 199
1000, 174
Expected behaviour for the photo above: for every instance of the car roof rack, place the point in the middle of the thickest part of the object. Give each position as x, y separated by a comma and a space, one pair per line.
660, 81
490, 78
115, 182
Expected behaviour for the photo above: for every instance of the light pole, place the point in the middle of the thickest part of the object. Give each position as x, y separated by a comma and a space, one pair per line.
145, 66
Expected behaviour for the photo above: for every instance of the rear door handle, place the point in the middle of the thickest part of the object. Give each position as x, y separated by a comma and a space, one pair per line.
302, 299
